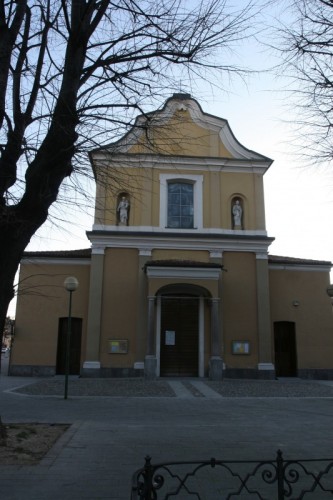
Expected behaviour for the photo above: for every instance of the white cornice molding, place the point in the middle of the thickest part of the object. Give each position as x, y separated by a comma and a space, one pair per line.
203, 273
158, 229
193, 242
193, 163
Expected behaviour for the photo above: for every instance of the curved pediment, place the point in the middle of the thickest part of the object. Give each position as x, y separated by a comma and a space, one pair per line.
181, 128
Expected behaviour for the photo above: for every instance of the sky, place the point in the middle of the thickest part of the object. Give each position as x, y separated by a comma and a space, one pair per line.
299, 197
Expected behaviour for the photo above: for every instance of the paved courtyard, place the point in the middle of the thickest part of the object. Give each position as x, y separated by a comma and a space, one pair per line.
116, 423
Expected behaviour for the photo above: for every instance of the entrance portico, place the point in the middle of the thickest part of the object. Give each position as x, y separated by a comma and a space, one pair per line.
183, 337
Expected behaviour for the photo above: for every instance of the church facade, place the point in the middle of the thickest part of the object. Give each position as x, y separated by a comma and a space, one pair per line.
178, 280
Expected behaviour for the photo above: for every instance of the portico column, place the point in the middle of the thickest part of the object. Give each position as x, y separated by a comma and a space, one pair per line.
150, 358
215, 362
92, 365
215, 341
265, 364
141, 330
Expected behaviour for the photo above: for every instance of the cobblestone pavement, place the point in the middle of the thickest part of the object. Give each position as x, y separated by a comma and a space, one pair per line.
197, 388
115, 423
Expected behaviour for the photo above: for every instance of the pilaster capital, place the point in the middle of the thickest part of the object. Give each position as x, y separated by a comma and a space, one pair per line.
261, 255
215, 254
98, 250
145, 252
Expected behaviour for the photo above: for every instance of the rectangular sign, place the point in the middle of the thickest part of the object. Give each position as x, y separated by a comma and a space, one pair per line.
240, 347
118, 346
170, 337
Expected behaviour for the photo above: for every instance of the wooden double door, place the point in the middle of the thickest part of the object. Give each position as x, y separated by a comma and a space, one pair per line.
285, 349
179, 352
75, 346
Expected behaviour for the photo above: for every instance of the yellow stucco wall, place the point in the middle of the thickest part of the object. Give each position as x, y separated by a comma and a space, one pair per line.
155, 284
119, 306
249, 186
181, 136
174, 148
42, 301
313, 317
219, 188
239, 307
199, 256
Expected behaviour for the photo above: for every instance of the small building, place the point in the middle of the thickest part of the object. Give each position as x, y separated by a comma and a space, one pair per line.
178, 280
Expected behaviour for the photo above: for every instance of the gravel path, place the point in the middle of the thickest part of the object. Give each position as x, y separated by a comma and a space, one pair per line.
272, 388
161, 388
99, 387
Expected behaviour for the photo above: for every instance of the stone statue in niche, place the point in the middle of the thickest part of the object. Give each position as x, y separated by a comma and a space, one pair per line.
237, 213
122, 210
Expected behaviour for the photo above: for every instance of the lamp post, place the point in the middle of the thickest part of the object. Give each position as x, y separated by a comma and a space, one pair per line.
70, 284
329, 291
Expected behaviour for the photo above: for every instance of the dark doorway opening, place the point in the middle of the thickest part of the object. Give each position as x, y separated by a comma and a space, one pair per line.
179, 355
285, 349
75, 346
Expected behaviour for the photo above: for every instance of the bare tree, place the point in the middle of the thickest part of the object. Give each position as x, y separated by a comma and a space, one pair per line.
73, 74
306, 45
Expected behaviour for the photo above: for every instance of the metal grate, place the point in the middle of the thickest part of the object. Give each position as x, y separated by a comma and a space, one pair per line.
213, 479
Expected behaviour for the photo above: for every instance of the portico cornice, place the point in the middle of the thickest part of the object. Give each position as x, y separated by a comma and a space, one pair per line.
104, 158
175, 241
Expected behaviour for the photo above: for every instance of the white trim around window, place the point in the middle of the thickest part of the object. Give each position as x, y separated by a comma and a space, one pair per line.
197, 181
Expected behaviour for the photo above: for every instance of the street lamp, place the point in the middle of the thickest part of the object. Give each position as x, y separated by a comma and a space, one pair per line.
329, 291
71, 284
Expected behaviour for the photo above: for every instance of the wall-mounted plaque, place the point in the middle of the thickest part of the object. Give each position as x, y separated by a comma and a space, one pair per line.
118, 346
240, 347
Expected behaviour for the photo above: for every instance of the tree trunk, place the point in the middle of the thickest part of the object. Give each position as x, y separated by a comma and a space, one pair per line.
45, 174
11, 251
15, 237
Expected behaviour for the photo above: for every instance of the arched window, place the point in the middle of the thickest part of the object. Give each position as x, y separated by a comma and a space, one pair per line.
180, 201
180, 205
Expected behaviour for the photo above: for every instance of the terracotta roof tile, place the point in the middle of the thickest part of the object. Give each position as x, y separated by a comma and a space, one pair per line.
276, 259
65, 254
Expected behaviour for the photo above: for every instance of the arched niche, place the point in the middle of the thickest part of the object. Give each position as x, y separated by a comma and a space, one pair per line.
123, 208
237, 212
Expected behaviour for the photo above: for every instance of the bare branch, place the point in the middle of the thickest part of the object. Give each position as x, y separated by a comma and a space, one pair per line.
307, 50
73, 76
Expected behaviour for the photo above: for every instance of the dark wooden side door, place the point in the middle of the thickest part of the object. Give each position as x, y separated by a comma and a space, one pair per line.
285, 349
179, 337
75, 346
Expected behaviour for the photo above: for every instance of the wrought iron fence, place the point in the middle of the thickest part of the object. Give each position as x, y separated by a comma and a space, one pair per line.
277, 479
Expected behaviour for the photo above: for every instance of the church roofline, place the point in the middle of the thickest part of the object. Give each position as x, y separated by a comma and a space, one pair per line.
83, 253
200, 117
86, 254
276, 259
